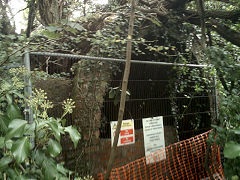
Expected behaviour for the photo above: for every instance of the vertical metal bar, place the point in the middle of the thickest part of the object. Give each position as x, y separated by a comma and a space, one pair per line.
28, 92
216, 99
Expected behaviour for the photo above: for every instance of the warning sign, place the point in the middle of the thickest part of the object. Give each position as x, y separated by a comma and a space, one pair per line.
153, 138
127, 134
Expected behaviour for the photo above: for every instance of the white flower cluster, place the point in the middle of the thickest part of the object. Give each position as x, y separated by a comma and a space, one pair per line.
68, 105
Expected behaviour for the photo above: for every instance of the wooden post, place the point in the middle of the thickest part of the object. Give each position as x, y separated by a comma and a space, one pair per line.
123, 93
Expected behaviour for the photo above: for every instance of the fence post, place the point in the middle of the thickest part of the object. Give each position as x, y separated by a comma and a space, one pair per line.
28, 92
216, 99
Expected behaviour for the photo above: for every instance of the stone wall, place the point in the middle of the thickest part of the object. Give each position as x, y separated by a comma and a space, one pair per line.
57, 91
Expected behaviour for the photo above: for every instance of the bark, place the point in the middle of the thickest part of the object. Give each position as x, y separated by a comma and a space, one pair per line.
51, 11
31, 17
84, 7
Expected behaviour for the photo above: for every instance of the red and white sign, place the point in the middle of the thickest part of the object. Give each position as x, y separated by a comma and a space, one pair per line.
127, 134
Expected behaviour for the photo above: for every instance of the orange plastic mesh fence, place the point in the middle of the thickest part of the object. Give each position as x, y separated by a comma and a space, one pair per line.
188, 159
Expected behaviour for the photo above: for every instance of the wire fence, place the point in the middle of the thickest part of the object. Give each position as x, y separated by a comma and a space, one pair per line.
151, 95
153, 92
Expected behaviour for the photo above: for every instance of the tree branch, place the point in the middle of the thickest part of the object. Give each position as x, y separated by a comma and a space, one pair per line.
153, 10
224, 1
8, 57
227, 15
146, 3
220, 75
224, 31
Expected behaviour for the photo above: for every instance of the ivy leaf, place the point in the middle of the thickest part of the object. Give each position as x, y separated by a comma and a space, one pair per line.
231, 150
236, 131
9, 99
4, 162
4, 120
39, 157
9, 144
54, 148
13, 112
74, 134
72, 30
79, 27
51, 35
155, 21
49, 169
29, 129
16, 128
21, 149
116, 100
12, 173
2, 139
56, 131
53, 28
18, 94
62, 170
76, 26
111, 94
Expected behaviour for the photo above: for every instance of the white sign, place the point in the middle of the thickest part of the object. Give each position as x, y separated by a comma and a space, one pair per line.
153, 138
127, 134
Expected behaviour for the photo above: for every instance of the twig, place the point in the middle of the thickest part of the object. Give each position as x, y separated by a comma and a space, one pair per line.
18, 12
7, 59
22, 168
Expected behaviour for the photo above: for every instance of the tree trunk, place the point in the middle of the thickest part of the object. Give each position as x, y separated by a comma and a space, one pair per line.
31, 16
51, 11
5, 25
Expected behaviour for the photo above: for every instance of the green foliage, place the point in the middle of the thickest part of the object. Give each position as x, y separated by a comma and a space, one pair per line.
21, 149
189, 83
27, 151
54, 148
85, 178
228, 70
74, 134
10, 48
231, 150
115, 94
155, 36
16, 128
